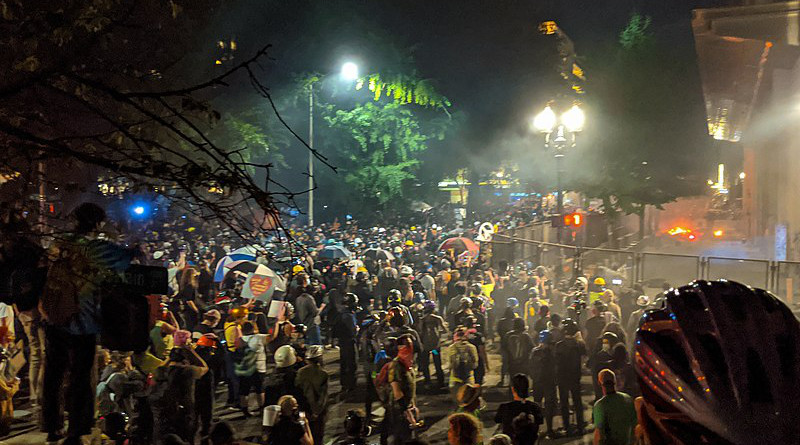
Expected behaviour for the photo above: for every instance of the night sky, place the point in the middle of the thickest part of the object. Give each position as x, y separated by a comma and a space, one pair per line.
487, 57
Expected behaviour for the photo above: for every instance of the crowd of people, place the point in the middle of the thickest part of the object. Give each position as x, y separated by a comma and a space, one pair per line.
412, 319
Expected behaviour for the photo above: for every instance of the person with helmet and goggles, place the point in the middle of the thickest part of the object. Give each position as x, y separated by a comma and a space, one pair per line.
396, 301
431, 329
718, 363
543, 376
569, 354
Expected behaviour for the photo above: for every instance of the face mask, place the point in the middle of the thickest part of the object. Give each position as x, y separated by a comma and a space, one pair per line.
606, 347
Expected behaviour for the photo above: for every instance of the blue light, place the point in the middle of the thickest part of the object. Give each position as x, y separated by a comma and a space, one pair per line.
140, 210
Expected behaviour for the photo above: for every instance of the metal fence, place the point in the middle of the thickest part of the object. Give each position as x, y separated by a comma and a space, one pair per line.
652, 269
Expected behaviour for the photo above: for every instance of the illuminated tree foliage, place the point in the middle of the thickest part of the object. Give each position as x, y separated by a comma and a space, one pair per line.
385, 141
107, 84
404, 89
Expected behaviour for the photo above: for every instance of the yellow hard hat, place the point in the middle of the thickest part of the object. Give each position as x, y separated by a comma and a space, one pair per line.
413, 227
409, 243
298, 268
361, 269
239, 312
599, 281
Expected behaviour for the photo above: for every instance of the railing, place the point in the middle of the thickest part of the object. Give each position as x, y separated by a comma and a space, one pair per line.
652, 269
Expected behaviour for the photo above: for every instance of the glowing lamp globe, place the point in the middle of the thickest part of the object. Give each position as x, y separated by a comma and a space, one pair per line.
545, 121
350, 71
573, 119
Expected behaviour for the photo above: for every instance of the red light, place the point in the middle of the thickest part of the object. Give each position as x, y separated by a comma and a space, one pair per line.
573, 220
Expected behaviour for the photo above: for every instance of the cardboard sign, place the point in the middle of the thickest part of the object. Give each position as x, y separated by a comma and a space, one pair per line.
275, 308
260, 284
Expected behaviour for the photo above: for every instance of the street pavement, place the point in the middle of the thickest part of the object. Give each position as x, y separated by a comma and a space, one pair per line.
434, 407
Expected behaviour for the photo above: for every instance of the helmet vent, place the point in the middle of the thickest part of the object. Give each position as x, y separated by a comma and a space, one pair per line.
786, 353
758, 384
715, 357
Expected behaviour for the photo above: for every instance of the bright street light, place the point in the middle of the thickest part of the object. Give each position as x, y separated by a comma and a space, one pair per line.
350, 71
573, 119
545, 121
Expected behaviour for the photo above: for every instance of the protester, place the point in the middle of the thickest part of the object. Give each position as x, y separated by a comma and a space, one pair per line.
356, 429
432, 328
463, 359
403, 396
283, 379
70, 304
569, 354
312, 380
232, 332
470, 401
543, 375
464, 430
507, 412
346, 330
614, 414
526, 429
172, 397
307, 314
251, 368
477, 339
291, 428
500, 439
516, 347
642, 303
8, 387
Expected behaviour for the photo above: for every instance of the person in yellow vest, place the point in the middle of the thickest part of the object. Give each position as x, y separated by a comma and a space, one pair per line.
599, 289
531, 307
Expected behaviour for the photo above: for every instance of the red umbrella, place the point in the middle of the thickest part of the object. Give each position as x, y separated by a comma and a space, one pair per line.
459, 245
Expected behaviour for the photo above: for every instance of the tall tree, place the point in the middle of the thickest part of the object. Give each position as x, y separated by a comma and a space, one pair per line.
645, 150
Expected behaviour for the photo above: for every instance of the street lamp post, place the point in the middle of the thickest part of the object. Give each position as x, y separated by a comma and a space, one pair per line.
559, 135
349, 72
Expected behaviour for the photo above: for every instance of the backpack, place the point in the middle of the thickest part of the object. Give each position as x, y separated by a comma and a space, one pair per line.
70, 275
431, 333
106, 398
517, 351
245, 361
464, 363
382, 386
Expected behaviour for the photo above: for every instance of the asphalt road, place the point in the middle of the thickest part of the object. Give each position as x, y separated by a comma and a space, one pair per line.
434, 407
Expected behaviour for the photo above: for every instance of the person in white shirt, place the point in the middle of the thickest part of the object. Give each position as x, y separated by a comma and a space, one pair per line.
254, 383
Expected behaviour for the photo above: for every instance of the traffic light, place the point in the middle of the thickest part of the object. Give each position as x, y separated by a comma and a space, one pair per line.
573, 220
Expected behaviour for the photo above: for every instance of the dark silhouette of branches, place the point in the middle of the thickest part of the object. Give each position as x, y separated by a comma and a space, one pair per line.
110, 87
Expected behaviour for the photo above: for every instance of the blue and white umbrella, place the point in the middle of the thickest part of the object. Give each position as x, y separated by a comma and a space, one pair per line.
335, 253
219, 272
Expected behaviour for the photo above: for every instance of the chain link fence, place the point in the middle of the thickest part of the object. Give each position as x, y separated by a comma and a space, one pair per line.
651, 269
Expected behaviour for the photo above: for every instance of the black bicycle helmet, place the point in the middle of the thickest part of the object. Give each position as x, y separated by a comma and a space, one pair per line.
569, 326
719, 364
